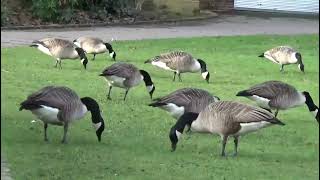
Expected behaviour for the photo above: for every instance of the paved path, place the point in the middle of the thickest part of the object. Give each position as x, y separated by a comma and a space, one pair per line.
4, 170
224, 25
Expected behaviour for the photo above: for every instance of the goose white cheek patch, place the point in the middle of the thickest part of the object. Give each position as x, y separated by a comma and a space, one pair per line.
96, 126
178, 134
77, 43
315, 112
149, 88
204, 75
111, 54
82, 60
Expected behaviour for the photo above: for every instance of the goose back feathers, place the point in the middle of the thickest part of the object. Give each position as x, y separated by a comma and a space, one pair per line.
225, 118
180, 62
60, 105
185, 100
125, 75
60, 49
284, 55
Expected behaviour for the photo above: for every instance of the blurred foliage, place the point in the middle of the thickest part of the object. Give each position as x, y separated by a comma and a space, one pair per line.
64, 10
4, 12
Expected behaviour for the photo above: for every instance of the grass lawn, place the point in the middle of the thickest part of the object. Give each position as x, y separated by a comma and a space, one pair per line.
135, 144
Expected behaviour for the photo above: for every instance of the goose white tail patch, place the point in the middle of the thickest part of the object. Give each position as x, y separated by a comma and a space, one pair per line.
178, 134
204, 74
149, 88
251, 127
161, 65
116, 81
174, 110
262, 102
111, 54
96, 126
47, 114
44, 49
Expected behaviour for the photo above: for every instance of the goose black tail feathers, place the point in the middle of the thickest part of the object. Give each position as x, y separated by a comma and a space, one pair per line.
276, 121
261, 55
157, 104
148, 61
243, 93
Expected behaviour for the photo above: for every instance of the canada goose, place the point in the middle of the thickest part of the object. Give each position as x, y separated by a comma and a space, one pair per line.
279, 96
284, 55
60, 49
225, 118
185, 100
95, 46
58, 105
124, 75
180, 62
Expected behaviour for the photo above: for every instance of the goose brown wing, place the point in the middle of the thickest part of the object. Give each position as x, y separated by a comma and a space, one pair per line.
269, 89
62, 98
123, 70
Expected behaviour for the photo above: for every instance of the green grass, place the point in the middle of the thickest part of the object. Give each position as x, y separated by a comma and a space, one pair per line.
135, 144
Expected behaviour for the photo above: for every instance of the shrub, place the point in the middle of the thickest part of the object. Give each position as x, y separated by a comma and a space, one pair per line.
4, 13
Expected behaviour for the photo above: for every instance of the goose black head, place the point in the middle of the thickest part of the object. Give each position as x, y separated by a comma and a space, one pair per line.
177, 129
83, 57
299, 61
97, 120
112, 53
311, 106
204, 72
148, 82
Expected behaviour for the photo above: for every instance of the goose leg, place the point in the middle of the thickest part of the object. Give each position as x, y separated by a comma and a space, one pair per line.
174, 76
224, 142
94, 57
179, 75
281, 68
126, 94
276, 113
57, 61
60, 64
45, 126
65, 131
236, 139
109, 93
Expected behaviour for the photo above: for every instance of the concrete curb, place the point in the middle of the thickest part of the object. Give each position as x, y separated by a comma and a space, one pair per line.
5, 172
61, 26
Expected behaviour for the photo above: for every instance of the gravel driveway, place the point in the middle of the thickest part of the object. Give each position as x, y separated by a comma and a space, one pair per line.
224, 25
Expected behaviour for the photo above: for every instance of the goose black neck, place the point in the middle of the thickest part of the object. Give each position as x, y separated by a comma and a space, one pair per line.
81, 53
203, 65
109, 47
94, 108
299, 58
309, 102
185, 119
146, 78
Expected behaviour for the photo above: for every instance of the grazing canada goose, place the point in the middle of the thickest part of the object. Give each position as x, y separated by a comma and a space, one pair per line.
225, 118
180, 62
124, 75
60, 49
95, 46
185, 100
60, 106
279, 96
284, 55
